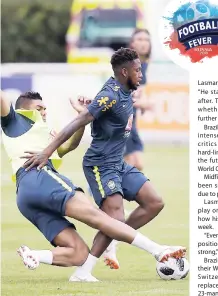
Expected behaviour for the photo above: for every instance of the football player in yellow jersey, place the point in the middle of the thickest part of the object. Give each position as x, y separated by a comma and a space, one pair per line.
45, 197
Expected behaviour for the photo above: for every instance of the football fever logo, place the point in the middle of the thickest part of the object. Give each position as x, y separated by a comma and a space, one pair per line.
190, 29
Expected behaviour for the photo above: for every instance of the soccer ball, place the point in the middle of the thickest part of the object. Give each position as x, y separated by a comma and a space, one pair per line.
197, 11
173, 269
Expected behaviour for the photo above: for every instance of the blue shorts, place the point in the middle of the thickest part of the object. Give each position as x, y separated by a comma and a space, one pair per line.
41, 198
134, 143
108, 180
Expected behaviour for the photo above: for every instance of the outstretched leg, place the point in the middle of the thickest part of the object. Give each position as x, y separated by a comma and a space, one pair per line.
111, 228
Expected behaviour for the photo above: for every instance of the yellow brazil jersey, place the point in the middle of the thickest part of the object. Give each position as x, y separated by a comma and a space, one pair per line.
36, 139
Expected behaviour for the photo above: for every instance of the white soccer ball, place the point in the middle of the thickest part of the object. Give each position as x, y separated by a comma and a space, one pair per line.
173, 269
197, 11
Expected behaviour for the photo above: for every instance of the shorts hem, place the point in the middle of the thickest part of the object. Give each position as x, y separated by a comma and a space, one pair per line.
79, 189
71, 195
109, 195
140, 186
71, 225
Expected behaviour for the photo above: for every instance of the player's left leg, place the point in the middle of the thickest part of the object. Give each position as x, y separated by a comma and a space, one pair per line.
70, 249
41, 199
136, 187
150, 205
76, 250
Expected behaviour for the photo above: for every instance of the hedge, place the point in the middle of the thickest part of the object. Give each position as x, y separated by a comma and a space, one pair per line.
34, 31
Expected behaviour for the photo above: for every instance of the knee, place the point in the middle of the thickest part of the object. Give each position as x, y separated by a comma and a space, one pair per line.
82, 254
153, 204
138, 161
156, 205
118, 215
159, 205
139, 166
116, 212
77, 253
102, 217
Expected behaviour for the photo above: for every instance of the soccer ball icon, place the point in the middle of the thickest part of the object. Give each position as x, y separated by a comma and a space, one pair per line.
197, 11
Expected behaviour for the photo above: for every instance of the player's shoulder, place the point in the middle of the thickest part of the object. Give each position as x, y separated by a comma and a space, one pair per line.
110, 89
112, 85
9, 118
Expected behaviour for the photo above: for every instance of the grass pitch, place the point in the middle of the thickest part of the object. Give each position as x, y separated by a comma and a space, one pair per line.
167, 168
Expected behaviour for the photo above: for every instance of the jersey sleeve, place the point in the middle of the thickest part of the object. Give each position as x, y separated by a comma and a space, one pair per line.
6, 120
103, 103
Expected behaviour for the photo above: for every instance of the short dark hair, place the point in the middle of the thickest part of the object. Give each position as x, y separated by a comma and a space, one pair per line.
123, 56
137, 31
30, 95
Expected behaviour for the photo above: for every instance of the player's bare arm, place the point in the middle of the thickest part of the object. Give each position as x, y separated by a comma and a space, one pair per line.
75, 140
5, 105
72, 143
40, 159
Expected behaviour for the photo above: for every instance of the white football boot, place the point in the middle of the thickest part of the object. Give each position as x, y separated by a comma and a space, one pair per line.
81, 276
171, 252
30, 260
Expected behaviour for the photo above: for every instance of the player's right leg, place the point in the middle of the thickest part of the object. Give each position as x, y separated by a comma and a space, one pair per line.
133, 156
78, 208
112, 228
136, 187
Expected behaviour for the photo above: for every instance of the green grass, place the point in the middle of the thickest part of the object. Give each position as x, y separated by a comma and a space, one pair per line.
167, 167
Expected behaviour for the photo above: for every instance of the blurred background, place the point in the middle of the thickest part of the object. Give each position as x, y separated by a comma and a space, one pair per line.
58, 47
62, 49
